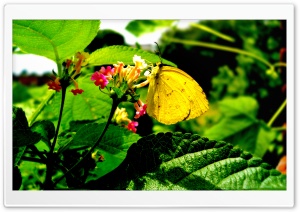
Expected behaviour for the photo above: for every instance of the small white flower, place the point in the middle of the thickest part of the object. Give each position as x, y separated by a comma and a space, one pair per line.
139, 62
147, 73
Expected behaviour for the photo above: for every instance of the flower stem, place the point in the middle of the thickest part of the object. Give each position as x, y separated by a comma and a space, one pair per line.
276, 114
48, 185
37, 112
113, 108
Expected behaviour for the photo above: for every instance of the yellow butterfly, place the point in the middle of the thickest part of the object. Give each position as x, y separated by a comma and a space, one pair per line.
174, 96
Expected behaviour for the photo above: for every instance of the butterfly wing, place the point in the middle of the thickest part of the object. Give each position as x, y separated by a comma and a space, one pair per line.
174, 96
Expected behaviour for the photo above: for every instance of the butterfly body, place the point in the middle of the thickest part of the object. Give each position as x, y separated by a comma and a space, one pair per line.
174, 96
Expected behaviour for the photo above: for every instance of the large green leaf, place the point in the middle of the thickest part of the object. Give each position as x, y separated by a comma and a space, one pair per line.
54, 39
189, 162
240, 126
113, 146
140, 27
90, 105
113, 54
245, 105
22, 134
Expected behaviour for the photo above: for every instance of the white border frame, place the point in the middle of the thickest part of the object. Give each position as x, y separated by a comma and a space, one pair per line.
147, 198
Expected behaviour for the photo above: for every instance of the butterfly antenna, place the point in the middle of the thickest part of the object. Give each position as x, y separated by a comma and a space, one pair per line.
159, 52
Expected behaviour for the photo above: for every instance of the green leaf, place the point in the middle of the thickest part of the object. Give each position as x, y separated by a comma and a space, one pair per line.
45, 128
236, 106
22, 135
65, 138
17, 154
113, 146
54, 39
90, 105
176, 161
264, 138
140, 27
240, 126
112, 54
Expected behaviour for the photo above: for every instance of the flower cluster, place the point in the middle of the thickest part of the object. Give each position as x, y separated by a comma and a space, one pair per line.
71, 71
121, 118
124, 78
140, 109
102, 76
120, 74
54, 84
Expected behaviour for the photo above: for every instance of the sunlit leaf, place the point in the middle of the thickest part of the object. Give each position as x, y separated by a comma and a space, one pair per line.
113, 54
236, 106
240, 126
90, 105
54, 39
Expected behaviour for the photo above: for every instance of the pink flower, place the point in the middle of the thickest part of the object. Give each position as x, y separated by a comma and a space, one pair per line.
54, 85
140, 109
77, 91
108, 72
132, 126
100, 79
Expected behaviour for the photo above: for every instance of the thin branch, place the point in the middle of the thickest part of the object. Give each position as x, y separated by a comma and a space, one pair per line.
222, 48
276, 114
113, 108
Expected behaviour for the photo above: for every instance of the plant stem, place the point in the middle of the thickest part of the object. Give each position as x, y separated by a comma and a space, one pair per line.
48, 185
280, 64
220, 47
279, 128
212, 31
113, 108
59, 68
37, 112
276, 114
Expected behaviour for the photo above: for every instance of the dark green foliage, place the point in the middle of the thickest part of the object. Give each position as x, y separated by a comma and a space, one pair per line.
188, 162
22, 134
45, 128
17, 178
